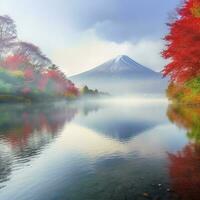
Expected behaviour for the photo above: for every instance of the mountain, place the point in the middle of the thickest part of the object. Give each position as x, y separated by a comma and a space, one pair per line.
122, 75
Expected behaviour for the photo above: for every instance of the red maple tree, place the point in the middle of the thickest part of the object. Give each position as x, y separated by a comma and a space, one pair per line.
183, 43
14, 62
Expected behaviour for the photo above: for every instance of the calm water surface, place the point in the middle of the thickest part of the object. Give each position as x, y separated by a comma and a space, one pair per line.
119, 149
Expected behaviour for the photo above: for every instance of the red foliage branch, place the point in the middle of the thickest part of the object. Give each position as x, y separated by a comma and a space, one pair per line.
183, 43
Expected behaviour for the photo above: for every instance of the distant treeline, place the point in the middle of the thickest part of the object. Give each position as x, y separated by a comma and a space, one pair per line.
85, 91
25, 72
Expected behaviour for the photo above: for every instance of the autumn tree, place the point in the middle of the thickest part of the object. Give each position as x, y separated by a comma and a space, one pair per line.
183, 43
25, 68
8, 33
33, 54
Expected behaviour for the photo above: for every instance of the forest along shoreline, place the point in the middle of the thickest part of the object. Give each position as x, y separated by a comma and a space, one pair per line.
28, 75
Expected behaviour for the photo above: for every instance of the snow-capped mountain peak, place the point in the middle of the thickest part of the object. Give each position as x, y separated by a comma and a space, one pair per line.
120, 58
121, 75
121, 63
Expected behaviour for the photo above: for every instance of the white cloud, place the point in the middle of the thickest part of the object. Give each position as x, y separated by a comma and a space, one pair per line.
148, 53
86, 54
91, 51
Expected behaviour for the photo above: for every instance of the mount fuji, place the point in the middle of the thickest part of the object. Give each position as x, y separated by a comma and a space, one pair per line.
122, 75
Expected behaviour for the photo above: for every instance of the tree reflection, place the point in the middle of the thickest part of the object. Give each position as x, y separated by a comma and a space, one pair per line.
20, 125
25, 131
184, 165
187, 118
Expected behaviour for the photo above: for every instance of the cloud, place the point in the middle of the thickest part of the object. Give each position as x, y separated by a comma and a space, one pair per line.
86, 54
120, 21
148, 53
63, 21
92, 51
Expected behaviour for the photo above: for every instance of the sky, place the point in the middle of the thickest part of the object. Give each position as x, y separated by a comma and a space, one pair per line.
81, 34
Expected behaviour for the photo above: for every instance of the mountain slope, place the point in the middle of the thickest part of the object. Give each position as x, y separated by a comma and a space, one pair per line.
121, 75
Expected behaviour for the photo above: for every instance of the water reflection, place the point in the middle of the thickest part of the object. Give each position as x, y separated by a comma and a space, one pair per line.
122, 122
96, 151
26, 130
184, 165
187, 118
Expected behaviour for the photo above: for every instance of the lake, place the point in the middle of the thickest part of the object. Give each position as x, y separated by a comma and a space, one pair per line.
117, 149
